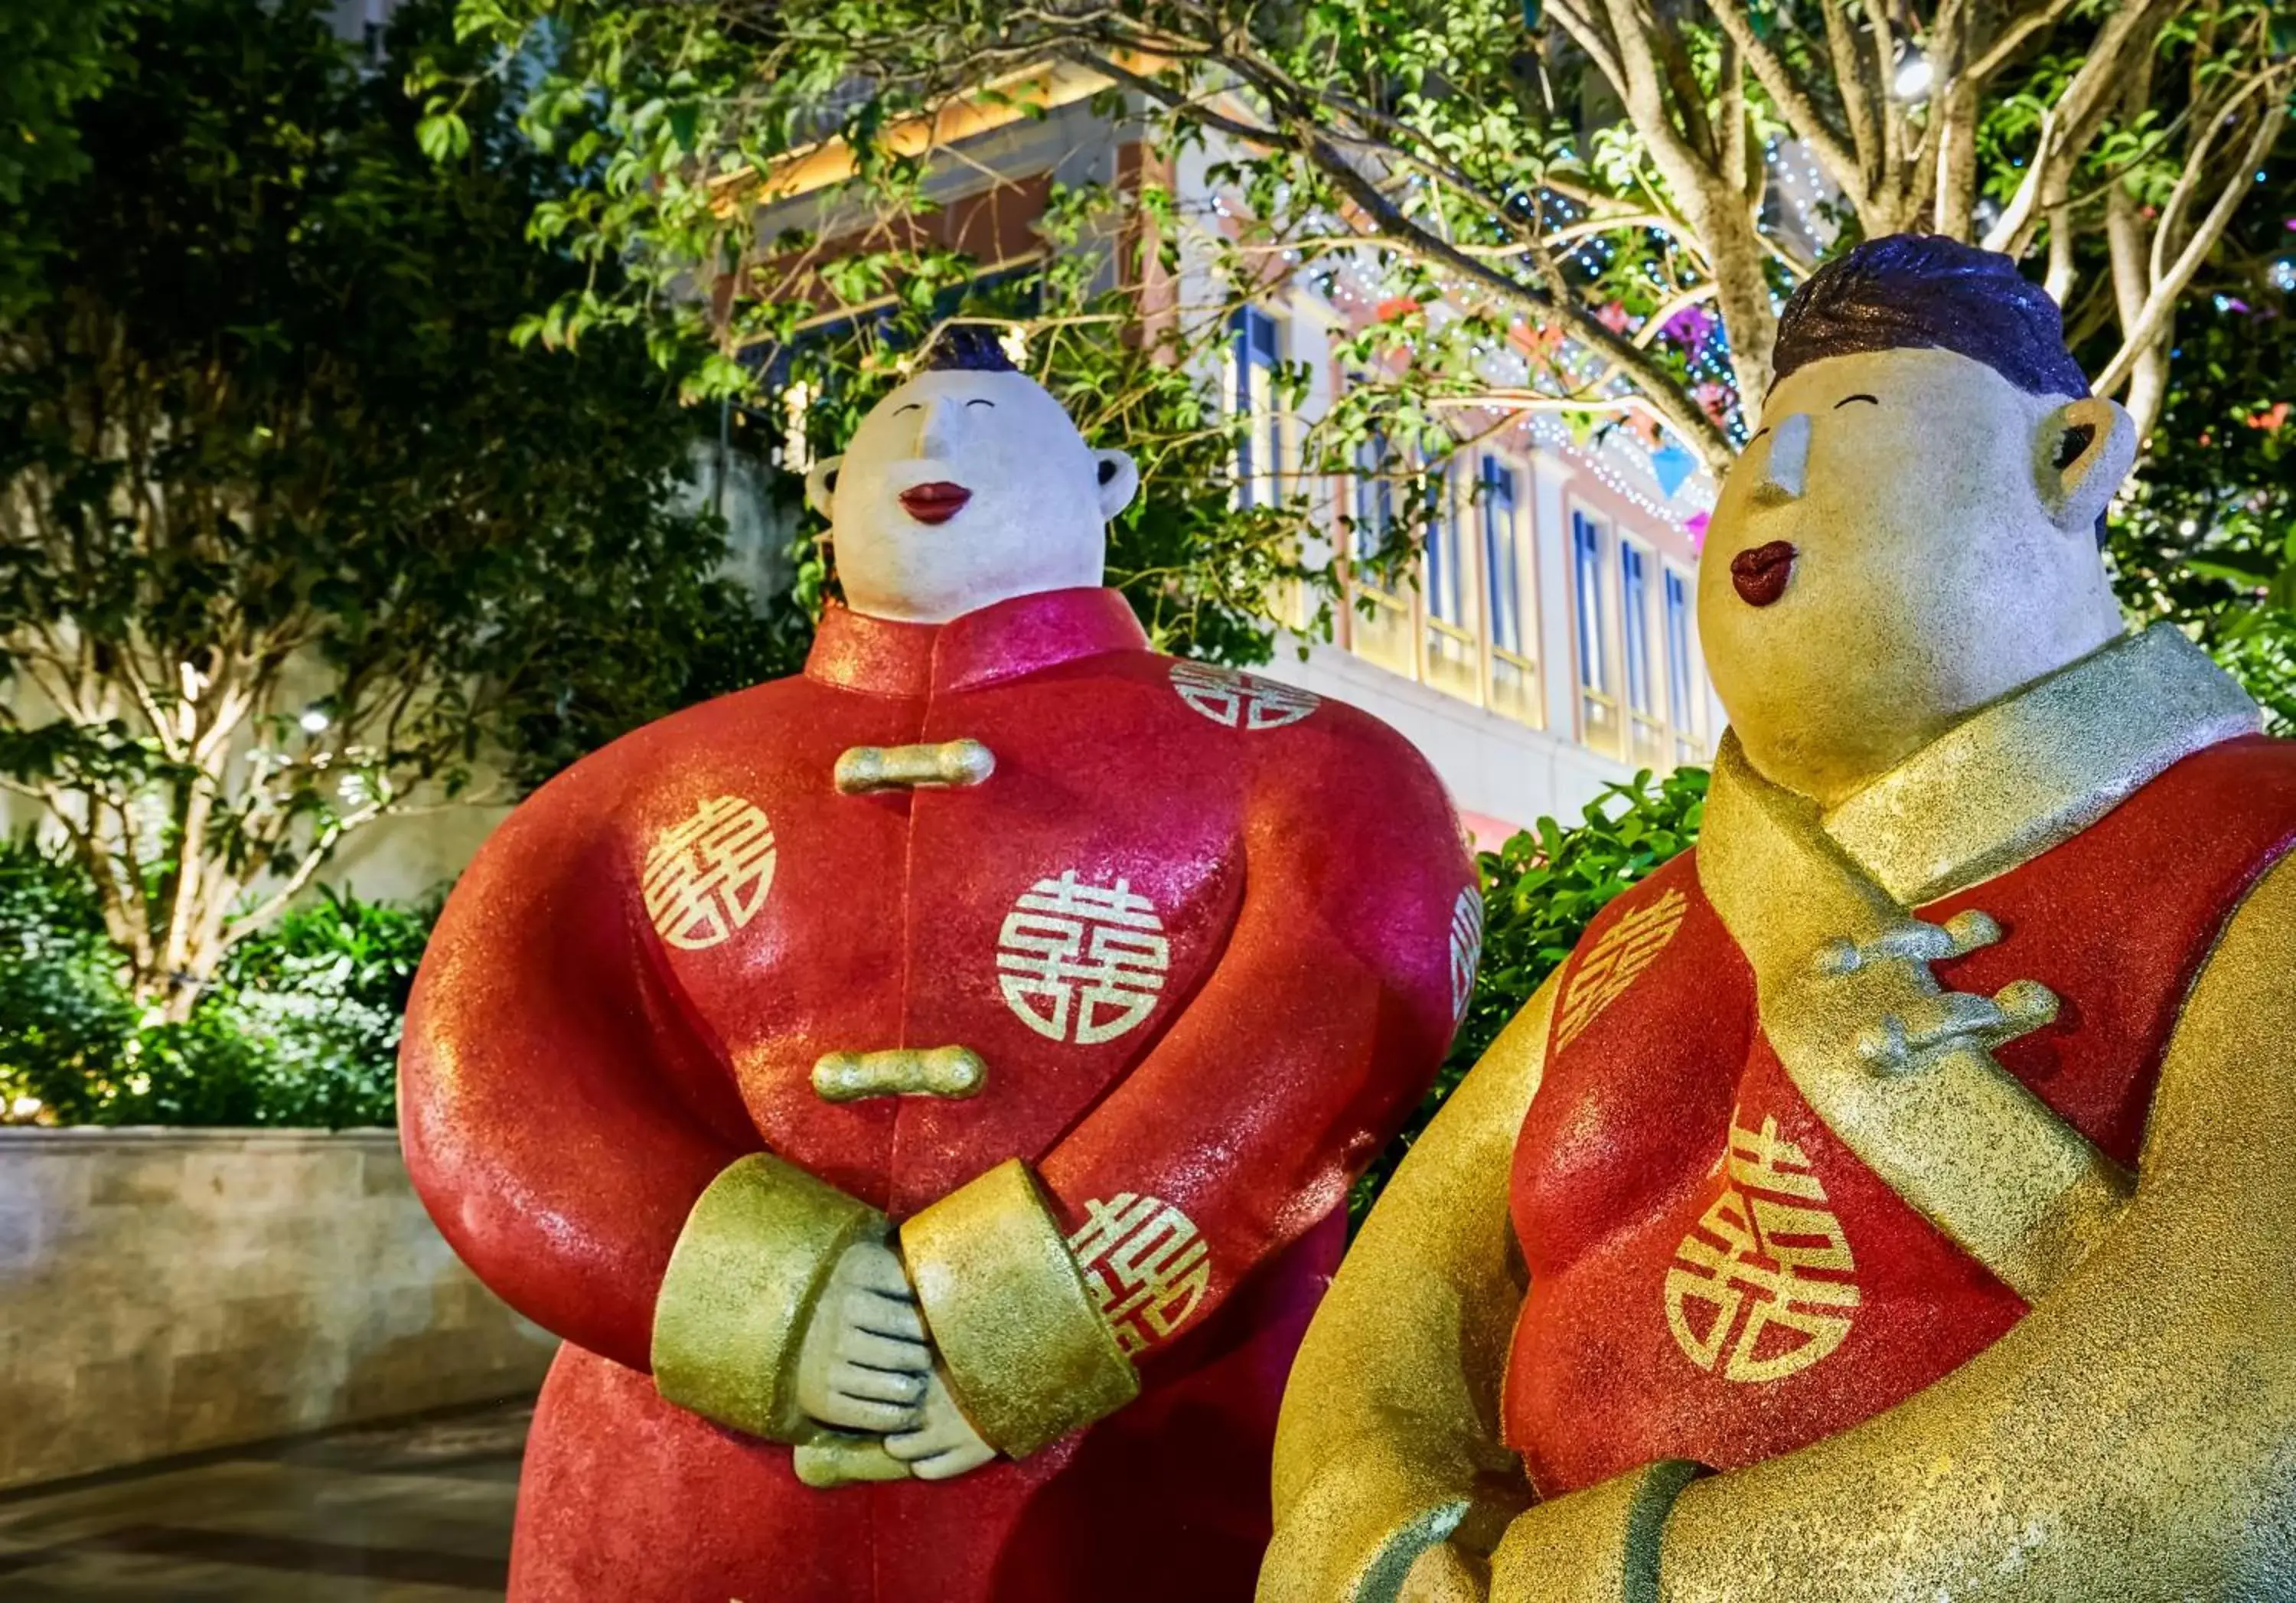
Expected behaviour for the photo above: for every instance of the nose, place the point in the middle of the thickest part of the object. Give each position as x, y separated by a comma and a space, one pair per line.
934, 431
1786, 471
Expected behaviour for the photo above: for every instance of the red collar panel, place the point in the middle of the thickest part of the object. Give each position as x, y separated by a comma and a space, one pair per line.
1029, 633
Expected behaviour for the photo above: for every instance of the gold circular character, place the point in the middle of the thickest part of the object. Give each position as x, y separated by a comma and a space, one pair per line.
1239, 700
1082, 962
707, 877
1762, 1286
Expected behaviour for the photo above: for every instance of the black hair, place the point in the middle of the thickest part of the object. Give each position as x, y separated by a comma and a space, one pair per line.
1926, 291
966, 348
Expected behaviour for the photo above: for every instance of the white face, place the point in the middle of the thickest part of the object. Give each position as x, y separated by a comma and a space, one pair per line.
961, 489
1907, 537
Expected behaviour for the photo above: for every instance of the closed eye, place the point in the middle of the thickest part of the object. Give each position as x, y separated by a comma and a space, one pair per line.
911, 407
977, 401
1845, 400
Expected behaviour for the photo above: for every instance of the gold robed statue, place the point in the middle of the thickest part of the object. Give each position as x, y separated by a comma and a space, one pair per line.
1895, 1198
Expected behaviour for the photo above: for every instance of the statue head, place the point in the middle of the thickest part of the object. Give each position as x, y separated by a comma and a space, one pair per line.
1913, 529
967, 485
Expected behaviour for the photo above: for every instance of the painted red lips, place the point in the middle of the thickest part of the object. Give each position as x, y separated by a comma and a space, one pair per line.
1760, 576
935, 503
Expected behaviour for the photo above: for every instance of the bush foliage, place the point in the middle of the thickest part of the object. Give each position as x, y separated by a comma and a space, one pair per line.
300, 1027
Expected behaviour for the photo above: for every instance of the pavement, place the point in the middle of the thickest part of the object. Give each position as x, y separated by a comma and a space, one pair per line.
418, 1512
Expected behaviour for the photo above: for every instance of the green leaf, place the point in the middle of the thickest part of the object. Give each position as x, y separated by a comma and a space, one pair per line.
443, 137
2236, 569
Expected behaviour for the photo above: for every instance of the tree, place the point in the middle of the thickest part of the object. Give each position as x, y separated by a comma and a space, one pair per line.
54, 53
2208, 539
292, 538
1592, 208
821, 289
1600, 168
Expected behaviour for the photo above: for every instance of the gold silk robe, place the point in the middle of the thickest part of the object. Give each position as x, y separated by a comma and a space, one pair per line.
2132, 1435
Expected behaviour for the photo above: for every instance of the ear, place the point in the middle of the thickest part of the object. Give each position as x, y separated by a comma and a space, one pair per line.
2083, 450
821, 486
1119, 481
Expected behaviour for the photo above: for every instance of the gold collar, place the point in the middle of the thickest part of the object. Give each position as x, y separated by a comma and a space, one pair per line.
1902, 1072
2039, 766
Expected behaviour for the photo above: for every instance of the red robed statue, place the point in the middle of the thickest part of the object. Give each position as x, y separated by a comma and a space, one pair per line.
922, 1092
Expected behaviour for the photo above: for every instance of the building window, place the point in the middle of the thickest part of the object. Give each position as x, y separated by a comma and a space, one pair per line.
1682, 710
1453, 652
1649, 731
1259, 446
1598, 707
1374, 497
1513, 675
1633, 612
1586, 542
1445, 593
1380, 621
1502, 560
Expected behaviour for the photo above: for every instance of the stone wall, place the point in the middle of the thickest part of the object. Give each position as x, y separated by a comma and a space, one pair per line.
163, 1291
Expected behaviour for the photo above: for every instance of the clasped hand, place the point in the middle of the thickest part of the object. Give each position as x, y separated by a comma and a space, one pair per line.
867, 1365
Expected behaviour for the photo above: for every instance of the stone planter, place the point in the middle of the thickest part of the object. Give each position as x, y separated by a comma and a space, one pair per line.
163, 1291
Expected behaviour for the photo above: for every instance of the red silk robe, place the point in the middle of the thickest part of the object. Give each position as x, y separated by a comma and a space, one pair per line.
1714, 1275
1210, 937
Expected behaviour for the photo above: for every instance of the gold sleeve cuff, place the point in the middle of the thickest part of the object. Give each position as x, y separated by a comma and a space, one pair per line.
1599, 1545
1029, 1357
747, 1270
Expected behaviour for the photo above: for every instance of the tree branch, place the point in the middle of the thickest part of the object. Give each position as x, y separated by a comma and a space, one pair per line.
2151, 320
2180, 197
1554, 300
1858, 100
2011, 38
1668, 310
2067, 126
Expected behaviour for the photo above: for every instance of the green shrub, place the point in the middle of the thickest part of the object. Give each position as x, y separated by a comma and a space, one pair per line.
63, 1016
321, 997
1540, 890
300, 1027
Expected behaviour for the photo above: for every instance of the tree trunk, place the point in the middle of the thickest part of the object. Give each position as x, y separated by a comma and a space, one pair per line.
1953, 209
1742, 292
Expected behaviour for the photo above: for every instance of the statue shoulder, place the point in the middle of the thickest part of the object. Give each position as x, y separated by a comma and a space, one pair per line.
654, 766
1302, 742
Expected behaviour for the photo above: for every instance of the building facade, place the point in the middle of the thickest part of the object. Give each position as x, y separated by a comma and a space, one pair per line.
1544, 643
